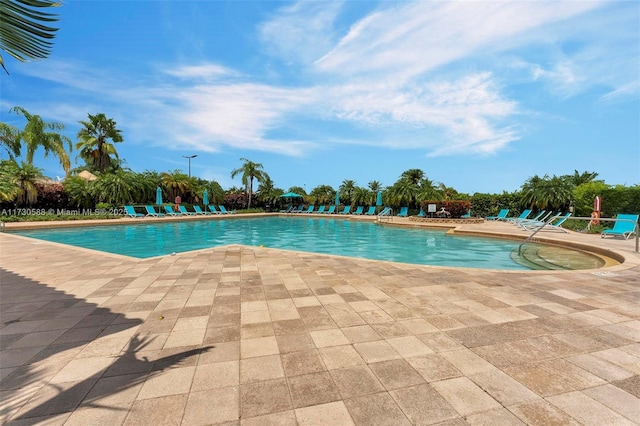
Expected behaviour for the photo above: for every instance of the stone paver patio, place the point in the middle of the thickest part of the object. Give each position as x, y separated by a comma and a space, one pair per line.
254, 336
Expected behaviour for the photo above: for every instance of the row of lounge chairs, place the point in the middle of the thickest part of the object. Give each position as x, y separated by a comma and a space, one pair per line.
130, 211
330, 210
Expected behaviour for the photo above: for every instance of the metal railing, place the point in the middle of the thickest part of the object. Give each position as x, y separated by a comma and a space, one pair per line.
387, 213
530, 237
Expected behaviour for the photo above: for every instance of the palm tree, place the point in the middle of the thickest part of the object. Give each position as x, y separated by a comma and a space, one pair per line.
429, 191
80, 191
413, 175
404, 191
38, 133
19, 182
323, 194
249, 171
361, 195
577, 179
25, 33
176, 184
93, 142
118, 188
10, 139
547, 193
347, 188
374, 186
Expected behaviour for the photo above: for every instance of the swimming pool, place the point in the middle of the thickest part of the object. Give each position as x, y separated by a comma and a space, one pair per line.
362, 239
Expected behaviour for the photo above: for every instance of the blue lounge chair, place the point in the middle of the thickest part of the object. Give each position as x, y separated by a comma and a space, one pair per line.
213, 209
533, 222
346, 210
522, 216
359, 210
131, 212
287, 210
152, 212
421, 213
537, 217
331, 210
320, 209
549, 225
198, 210
168, 210
184, 210
467, 215
309, 209
371, 211
404, 211
224, 210
624, 229
503, 214
297, 209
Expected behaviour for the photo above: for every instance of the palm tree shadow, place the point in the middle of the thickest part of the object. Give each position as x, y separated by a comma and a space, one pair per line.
87, 394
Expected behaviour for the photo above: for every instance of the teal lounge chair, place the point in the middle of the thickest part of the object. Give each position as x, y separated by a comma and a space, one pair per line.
537, 217
169, 210
309, 209
152, 212
297, 209
371, 211
359, 210
184, 210
467, 215
198, 210
287, 210
503, 214
213, 209
404, 212
549, 225
331, 210
533, 222
522, 216
131, 212
346, 210
624, 229
224, 210
320, 209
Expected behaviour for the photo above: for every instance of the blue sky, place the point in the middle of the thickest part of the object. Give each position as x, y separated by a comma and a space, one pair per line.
479, 95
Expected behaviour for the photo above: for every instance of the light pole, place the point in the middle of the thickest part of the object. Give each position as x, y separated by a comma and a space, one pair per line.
189, 157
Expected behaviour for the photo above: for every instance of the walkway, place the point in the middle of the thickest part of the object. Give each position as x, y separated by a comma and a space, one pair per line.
255, 336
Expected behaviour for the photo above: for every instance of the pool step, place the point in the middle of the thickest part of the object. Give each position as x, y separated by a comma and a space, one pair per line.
539, 258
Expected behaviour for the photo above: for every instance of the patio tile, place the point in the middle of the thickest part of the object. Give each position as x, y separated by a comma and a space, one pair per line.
212, 406
341, 357
617, 400
216, 375
361, 333
284, 418
465, 396
267, 397
356, 381
333, 413
169, 382
261, 346
376, 351
302, 362
587, 410
378, 409
497, 417
541, 412
295, 342
326, 338
312, 389
433, 367
261, 368
395, 374
167, 410
423, 405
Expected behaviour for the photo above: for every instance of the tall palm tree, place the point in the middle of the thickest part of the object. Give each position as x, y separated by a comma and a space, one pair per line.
413, 175
249, 171
323, 194
93, 142
577, 178
118, 188
361, 195
176, 183
10, 139
374, 186
429, 191
25, 32
346, 188
267, 192
547, 193
39, 133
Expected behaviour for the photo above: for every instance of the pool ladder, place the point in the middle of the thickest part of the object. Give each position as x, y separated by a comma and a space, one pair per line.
385, 214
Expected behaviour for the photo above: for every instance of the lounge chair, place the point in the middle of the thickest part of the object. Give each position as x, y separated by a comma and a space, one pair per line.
320, 209
467, 215
331, 210
503, 214
297, 209
152, 212
624, 229
421, 214
213, 209
371, 211
198, 210
184, 210
537, 217
522, 216
359, 210
404, 212
224, 210
131, 212
169, 210
287, 210
549, 225
309, 209
346, 210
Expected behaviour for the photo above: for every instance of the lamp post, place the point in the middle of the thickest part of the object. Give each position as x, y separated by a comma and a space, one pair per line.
189, 157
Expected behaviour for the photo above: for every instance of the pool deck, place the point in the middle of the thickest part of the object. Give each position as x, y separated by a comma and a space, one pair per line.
241, 335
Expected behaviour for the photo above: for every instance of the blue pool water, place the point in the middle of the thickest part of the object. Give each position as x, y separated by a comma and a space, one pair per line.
362, 239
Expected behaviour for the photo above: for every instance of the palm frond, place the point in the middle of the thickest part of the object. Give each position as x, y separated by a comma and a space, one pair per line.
25, 32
